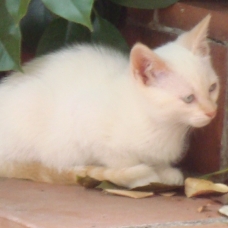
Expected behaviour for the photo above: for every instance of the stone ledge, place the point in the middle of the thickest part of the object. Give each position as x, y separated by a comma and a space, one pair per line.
25, 204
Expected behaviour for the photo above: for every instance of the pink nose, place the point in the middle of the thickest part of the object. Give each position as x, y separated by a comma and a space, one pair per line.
211, 114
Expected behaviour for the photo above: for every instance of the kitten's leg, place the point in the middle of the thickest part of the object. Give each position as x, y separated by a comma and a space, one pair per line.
130, 177
36, 171
170, 175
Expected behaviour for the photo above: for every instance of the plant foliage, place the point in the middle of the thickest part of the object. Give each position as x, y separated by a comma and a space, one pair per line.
46, 25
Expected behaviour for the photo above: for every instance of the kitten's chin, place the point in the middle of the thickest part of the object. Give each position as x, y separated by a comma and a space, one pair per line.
200, 123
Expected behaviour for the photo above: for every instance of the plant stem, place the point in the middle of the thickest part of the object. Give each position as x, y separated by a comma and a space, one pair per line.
206, 176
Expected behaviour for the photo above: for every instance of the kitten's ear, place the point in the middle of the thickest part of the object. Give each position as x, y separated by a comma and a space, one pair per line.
146, 66
196, 39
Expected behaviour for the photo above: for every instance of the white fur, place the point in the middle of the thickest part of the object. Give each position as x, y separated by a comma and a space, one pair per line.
83, 106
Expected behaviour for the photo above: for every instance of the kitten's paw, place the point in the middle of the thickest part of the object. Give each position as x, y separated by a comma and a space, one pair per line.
136, 176
144, 181
171, 176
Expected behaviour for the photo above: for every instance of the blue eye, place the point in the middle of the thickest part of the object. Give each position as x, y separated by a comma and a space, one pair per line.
212, 87
189, 99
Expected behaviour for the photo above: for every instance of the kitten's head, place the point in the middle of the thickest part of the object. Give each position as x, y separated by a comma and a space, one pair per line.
178, 77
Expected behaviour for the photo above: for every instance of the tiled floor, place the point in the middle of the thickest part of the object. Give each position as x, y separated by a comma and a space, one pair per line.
26, 204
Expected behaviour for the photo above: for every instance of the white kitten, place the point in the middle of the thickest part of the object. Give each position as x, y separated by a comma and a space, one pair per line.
88, 108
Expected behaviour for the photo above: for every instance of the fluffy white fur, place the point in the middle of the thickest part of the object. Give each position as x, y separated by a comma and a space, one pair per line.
89, 105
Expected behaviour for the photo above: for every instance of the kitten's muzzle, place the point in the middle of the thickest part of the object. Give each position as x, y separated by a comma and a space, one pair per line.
211, 114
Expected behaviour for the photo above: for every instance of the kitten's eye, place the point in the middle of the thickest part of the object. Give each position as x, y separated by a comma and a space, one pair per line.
212, 87
189, 99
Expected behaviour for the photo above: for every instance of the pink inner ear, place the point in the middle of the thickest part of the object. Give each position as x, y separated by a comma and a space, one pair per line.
145, 64
145, 70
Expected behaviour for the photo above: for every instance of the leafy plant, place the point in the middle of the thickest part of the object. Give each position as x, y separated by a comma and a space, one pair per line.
46, 25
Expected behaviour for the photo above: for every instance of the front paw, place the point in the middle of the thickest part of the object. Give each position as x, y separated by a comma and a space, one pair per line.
144, 181
171, 176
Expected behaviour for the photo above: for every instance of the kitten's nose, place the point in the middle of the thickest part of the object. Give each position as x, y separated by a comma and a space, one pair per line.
211, 114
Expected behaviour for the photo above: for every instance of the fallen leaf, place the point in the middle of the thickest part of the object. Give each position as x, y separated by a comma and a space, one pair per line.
87, 182
108, 185
202, 208
128, 193
157, 187
195, 187
224, 210
140, 192
222, 199
167, 194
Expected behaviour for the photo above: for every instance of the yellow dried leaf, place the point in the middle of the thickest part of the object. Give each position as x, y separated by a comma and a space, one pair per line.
201, 209
195, 187
222, 199
131, 194
168, 194
224, 210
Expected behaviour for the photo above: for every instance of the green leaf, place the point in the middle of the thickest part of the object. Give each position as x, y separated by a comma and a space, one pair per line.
109, 11
10, 35
17, 9
78, 11
39, 16
145, 4
61, 32
105, 33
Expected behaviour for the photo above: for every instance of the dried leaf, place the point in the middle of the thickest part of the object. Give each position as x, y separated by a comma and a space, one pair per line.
128, 193
87, 182
222, 199
224, 210
108, 185
157, 187
202, 209
195, 187
140, 192
168, 194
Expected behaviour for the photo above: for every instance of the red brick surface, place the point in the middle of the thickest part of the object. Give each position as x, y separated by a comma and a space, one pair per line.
186, 14
25, 204
151, 38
